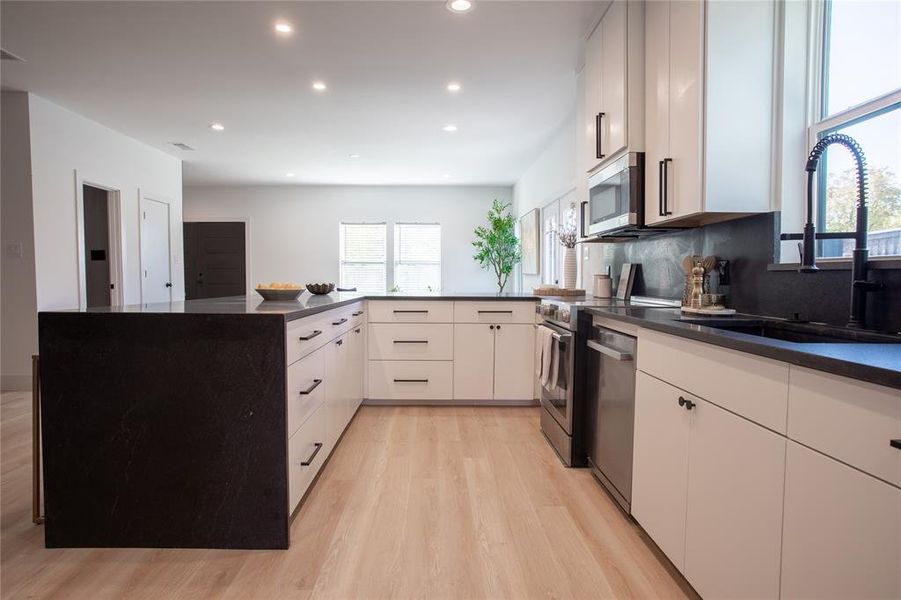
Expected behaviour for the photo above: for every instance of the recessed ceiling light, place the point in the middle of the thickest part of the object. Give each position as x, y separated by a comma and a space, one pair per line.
319, 86
460, 6
450, 128
355, 156
283, 27
289, 174
446, 175
217, 126
454, 87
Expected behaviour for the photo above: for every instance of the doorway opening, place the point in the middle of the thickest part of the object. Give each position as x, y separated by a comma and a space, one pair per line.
215, 259
100, 248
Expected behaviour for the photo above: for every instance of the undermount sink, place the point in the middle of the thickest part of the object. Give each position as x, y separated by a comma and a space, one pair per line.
789, 331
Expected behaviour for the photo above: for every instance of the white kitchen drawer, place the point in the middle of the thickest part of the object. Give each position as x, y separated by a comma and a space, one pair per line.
305, 389
494, 311
411, 380
343, 319
850, 420
411, 311
306, 335
411, 341
306, 453
751, 386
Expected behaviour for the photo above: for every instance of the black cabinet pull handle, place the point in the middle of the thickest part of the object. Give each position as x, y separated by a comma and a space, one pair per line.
168, 284
357, 314
495, 312
357, 330
599, 153
309, 461
688, 404
310, 389
895, 444
498, 326
660, 188
411, 311
340, 321
339, 342
491, 327
411, 381
411, 341
306, 338
666, 210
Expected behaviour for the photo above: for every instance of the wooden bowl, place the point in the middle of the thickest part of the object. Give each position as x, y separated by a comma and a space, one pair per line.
279, 294
320, 288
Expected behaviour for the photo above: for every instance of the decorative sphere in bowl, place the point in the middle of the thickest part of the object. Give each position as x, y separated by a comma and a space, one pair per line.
320, 288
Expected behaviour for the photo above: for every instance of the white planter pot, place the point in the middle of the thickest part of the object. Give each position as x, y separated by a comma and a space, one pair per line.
569, 268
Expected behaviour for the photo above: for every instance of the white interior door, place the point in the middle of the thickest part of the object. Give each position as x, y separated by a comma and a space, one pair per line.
156, 275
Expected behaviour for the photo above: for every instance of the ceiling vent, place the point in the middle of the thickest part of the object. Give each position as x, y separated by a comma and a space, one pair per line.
183, 146
7, 55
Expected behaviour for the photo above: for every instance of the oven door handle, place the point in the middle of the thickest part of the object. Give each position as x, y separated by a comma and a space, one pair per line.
609, 351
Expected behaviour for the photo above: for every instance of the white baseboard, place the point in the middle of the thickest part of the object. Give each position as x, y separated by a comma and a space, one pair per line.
15, 383
377, 402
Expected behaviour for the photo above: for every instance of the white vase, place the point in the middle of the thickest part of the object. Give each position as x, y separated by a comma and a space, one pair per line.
569, 268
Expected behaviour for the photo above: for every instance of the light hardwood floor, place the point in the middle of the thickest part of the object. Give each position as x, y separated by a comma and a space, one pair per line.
416, 502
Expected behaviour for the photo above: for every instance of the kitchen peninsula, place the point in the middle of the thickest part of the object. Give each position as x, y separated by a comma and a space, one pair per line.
203, 423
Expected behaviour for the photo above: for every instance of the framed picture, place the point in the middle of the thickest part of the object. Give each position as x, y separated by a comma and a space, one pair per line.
529, 235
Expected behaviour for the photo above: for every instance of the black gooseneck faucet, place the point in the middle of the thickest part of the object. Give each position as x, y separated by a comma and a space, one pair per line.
859, 283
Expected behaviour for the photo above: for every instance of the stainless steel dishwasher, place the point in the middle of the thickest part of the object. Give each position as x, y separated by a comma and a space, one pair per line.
611, 395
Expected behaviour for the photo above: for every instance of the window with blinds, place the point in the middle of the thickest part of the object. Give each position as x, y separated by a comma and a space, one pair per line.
417, 257
362, 251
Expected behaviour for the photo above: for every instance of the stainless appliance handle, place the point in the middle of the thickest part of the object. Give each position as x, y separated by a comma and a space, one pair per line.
557, 336
609, 351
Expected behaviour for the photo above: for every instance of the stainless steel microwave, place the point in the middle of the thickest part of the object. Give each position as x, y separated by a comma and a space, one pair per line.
615, 203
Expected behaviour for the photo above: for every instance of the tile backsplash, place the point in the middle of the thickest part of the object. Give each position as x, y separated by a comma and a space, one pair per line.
749, 244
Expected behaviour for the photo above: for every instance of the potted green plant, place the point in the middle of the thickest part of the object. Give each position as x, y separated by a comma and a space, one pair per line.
497, 247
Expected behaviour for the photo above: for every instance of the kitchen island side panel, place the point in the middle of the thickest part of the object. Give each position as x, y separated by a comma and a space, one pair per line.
164, 430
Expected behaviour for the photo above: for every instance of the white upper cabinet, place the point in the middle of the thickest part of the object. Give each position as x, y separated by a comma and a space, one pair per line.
614, 84
708, 107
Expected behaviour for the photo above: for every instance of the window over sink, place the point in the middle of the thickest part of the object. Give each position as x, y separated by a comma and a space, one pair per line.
856, 79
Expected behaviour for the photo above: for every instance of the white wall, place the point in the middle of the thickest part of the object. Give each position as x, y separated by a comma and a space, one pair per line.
18, 301
553, 175
294, 229
47, 151
66, 147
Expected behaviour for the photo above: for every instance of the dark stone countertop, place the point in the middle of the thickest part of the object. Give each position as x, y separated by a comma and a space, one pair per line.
307, 304
875, 363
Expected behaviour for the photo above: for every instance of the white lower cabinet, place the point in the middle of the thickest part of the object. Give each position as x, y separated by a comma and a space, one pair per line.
306, 453
493, 362
325, 388
514, 353
473, 361
842, 531
707, 487
660, 464
733, 528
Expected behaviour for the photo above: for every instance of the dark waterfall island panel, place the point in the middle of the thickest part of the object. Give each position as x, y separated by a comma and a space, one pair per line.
164, 430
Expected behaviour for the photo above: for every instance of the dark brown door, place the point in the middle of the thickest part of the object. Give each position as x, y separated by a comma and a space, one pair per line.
215, 264
96, 246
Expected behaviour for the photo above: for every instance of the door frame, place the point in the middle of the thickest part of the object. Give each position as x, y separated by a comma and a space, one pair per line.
142, 200
248, 254
116, 231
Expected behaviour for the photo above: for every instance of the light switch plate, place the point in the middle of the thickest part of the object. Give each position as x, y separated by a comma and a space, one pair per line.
14, 250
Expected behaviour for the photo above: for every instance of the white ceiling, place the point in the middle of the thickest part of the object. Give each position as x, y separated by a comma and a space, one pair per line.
161, 72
